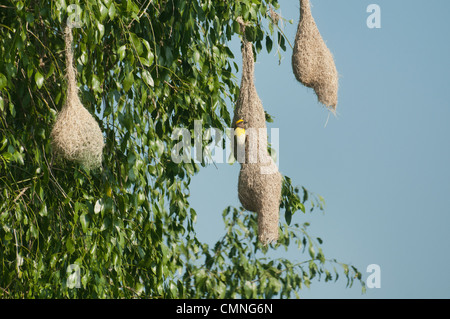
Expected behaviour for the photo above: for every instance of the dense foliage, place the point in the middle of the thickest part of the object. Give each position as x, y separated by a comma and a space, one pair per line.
144, 69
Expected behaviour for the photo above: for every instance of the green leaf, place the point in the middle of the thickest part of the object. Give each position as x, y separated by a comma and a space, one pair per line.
281, 41
19, 5
128, 81
30, 71
70, 245
249, 288
103, 12
101, 29
196, 56
137, 44
149, 56
34, 231
269, 44
96, 85
288, 216
43, 212
84, 220
302, 207
132, 7
99, 206
112, 11
147, 77
121, 52
311, 251
12, 109
140, 199
139, 288
39, 79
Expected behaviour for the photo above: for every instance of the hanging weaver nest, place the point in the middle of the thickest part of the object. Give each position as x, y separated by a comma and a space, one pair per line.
76, 135
312, 61
259, 187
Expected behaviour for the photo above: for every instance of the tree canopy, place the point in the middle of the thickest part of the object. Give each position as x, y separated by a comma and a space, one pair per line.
145, 67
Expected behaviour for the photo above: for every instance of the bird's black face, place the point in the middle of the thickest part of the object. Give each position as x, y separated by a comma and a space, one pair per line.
241, 124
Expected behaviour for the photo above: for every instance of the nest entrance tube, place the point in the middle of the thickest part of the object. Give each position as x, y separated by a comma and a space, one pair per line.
312, 62
76, 135
259, 185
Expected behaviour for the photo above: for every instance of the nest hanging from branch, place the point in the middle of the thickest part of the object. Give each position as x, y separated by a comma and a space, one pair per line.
259, 186
312, 62
76, 135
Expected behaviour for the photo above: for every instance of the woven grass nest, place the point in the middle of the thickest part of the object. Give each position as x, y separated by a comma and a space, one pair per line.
312, 62
76, 135
259, 186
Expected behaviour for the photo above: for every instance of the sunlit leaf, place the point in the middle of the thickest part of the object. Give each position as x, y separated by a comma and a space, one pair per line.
38, 78
147, 78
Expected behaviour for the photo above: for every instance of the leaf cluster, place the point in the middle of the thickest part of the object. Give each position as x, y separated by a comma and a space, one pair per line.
144, 68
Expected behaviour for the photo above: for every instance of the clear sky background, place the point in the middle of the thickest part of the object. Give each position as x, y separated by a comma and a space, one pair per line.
382, 165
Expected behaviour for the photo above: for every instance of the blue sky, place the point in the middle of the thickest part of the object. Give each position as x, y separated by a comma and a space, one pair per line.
382, 165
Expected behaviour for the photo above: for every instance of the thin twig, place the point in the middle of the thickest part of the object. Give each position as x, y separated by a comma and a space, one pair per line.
142, 13
21, 193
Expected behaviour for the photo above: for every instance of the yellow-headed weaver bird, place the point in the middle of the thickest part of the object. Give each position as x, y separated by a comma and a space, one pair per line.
239, 140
